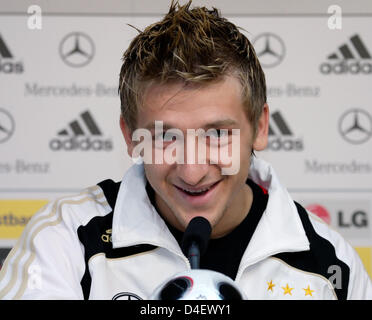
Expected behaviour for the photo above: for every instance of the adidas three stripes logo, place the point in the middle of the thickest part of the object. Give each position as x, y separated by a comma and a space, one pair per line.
356, 49
85, 124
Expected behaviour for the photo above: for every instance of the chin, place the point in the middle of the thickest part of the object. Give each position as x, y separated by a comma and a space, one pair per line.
210, 215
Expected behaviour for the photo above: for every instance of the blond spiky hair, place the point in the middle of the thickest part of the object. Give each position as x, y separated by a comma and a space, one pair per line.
194, 46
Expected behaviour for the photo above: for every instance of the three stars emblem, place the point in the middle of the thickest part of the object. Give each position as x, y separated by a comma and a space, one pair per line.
288, 290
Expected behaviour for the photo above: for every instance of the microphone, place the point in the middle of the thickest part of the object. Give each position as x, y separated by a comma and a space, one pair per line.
197, 284
195, 240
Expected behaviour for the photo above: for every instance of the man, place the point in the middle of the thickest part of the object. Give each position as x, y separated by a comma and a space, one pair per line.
195, 74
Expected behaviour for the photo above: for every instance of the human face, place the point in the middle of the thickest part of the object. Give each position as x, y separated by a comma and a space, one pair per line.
218, 105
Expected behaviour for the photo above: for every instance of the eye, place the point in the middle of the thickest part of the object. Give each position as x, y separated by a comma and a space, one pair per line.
218, 133
168, 136
164, 137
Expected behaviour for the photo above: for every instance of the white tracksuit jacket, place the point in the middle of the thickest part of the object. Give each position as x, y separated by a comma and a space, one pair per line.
108, 242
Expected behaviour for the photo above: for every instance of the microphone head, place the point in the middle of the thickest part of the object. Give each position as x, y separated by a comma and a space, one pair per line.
196, 285
198, 230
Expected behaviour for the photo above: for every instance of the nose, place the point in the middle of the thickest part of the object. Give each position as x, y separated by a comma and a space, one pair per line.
192, 174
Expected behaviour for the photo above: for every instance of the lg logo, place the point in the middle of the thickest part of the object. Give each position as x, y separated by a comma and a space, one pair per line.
356, 219
343, 218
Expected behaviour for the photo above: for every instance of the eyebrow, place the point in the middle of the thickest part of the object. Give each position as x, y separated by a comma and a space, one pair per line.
224, 123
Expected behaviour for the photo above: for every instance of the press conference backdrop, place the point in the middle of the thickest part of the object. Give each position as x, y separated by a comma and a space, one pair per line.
59, 109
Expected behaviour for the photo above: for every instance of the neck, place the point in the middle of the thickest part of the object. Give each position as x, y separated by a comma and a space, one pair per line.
234, 214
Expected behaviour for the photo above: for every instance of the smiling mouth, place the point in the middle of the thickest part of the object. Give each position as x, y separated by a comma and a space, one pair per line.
198, 192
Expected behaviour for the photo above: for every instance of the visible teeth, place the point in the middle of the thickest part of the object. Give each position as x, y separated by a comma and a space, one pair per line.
196, 192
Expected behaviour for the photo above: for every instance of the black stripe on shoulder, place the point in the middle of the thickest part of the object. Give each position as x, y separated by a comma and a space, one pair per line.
110, 190
320, 259
96, 238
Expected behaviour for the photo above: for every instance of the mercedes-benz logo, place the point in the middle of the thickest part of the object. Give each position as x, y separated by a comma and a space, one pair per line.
270, 49
355, 126
126, 296
76, 49
7, 125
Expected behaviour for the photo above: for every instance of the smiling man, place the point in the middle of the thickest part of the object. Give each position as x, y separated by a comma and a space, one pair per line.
184, 191
198, 76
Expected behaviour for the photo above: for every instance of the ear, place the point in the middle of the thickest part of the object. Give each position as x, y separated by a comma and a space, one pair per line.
261, 139
127, 134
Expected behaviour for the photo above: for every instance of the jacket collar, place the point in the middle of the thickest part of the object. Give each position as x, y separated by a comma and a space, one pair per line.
280, 228
136, 221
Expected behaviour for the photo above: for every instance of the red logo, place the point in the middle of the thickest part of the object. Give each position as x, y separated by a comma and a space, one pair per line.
320, 211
